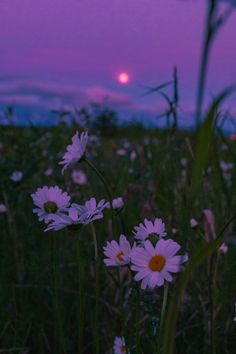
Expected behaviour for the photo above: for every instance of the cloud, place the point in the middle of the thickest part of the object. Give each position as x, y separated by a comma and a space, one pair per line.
51, 96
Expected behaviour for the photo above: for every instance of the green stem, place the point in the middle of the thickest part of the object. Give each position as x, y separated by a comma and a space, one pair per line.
97, 291
57, 314
109, 195
137, 327
81, 306
163, 311
213, 265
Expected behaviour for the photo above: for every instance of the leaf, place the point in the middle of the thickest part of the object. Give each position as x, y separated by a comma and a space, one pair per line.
205, 137
202, 253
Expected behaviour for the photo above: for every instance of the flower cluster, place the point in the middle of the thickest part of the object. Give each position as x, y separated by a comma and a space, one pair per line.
53, 206
152, 259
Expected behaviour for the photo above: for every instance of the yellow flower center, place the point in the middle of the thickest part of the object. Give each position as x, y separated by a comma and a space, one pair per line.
120, 256
123, 349
50, 207
157, 263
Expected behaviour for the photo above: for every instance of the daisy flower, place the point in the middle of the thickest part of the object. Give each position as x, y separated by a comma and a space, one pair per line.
117, 203
3, 208
117, 252
119, 346
75, 151
154, 264
77, 215
50, 200
193, 223
223, 248
79, 177
16, 176
90, 211
149, 229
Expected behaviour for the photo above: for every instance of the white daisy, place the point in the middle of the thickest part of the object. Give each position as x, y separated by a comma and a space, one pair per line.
16, 176
50, 200
58, 222
149, 229
117, 252
79, 177
193, 223
48, 172
78, 215
90, 211
119, 346
75, 151
154, 264
133, 155
3, 208
121, 152
117, 203
223, 248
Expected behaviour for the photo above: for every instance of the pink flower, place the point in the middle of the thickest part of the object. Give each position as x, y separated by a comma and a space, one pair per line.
119, 346
50, 200
117, 252
154, 264
75, 151
79, 177
149, 228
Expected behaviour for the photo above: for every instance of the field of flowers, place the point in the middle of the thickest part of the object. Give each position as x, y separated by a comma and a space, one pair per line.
130, 250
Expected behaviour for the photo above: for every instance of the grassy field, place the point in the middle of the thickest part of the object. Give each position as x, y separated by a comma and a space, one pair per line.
55, 298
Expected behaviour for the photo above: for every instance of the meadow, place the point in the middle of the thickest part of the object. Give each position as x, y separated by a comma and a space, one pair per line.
58, 296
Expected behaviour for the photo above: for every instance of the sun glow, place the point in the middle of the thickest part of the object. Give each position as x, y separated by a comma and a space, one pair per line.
123, 78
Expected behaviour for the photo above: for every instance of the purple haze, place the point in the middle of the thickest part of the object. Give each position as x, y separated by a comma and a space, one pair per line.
67, 52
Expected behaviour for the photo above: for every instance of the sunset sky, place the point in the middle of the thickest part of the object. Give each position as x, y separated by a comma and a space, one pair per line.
67, 52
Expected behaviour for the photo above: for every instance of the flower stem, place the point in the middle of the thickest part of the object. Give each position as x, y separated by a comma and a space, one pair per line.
137, 329
109, 195
97, 291
81, 305
163, 310
57, 313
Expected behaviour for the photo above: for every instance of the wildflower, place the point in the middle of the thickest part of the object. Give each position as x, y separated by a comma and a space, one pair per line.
3, 208
77, 215
183, 162
48, 172
154, 264
209, 224
58, 222
79, 177
133, 155
16, 176
117, 252
174, 231
117, 203
90, 211
121, 152
50, 200
193, 223
223, 248
75, 151
226, 166
119, 346
149, 229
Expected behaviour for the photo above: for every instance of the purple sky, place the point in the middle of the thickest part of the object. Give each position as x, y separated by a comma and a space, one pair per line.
75, 48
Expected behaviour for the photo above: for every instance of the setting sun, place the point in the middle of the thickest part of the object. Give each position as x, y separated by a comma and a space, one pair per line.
123, 78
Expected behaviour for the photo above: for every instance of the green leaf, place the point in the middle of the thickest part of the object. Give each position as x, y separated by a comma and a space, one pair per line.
205, 137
